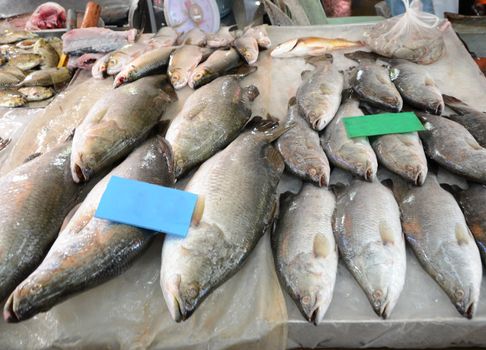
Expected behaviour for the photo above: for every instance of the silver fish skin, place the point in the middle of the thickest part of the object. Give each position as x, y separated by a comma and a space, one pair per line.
223, 38
437, 231
195, 36
210, 119
238, 188
183, 61
111, 129
219, 62
36, 196
247, 46
354, 155
417, 87
301, 150
148, 63
46, 77
305, 251
319, 94
473, 120
402, 154
90, 251
453, 147
370, 240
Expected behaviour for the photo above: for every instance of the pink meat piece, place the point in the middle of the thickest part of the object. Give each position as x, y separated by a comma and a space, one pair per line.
49, 15
85, 61
88, 40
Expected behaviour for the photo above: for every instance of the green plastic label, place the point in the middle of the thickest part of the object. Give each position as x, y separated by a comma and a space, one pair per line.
382, 124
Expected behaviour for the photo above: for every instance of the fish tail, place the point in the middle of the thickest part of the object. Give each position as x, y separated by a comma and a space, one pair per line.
270, 127
451, 100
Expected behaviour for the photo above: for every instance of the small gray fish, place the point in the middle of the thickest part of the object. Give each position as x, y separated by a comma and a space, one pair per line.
436, 229
473, 120
90, 251
301, 150
369, 235
219, 62
210, 119
36, 93
319, 94
247, 46
11, 98
25, 61
47, 77
148, 63
305, 251
453, 147
182, 63
402, 154
354, 155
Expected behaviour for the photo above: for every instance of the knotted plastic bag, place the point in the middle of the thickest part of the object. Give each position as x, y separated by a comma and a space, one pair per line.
415, 35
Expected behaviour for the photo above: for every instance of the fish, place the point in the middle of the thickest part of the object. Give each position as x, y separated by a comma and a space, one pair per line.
472, 202
247, 46
222, 38
372, 83
56, 43
100, 67
7, 79
311, 46
122, 57
112, 130
25, 61
148, 63
36, 93
210, 119
183, 61
473, 120
8, 36
453, 147
94, 39
219, 62
49, 56
46, 77
305, 251
402, 154
417, 87
352, 154
166, 36
260, 34
301, 150
90, 251
12, 70
319, 94
436, 230
11, 98
238, 186
369, 236
35, 197
195, 36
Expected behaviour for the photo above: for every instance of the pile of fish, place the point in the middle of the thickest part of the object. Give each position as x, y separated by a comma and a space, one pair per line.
362, 198
28, 70
194, 58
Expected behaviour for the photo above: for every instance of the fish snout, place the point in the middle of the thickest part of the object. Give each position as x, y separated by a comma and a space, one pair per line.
310, 304
20, 304
382, 303
319, 175
81, 173
465, 302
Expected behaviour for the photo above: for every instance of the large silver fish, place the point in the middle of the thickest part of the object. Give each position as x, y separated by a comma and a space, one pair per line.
304, 250
35, 198
90, 251
354, 155
116, 123
211, 118
436, 229
371, 244
238, 187
453, 147
319, 94
473, 120
402, 154
301, 150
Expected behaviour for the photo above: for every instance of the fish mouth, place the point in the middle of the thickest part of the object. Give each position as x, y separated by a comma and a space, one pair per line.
467, 307
420, 178
381, 303
9, 314
80, 175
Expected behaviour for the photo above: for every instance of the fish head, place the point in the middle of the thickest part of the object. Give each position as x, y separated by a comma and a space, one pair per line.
116, 62
177, 78
318, 172
284, 49
314, 302
182, 297
200, 76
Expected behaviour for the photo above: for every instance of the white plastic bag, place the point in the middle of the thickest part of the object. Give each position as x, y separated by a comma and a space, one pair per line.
414, 36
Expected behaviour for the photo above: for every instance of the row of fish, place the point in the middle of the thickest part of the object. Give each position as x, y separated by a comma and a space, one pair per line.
28, 72
198, 59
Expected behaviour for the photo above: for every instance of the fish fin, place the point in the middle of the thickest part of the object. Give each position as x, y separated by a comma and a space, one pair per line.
317, 60
463, 235
386, 234
292, 101
305, 74
340, 178
32, 156
447, 179
451, 100
169, 90
242, 71
362, 56
70, 136
274, 158
321, 246
4, 143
